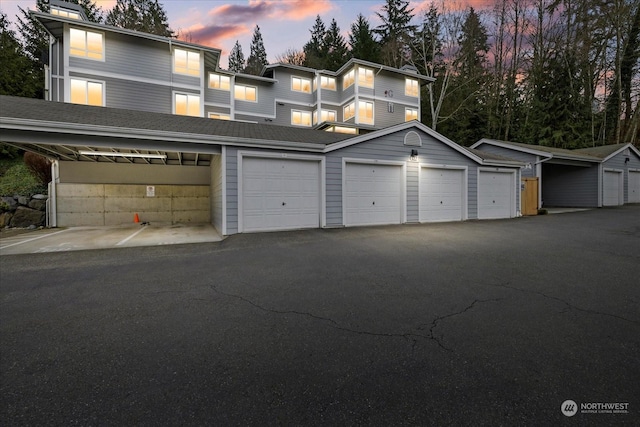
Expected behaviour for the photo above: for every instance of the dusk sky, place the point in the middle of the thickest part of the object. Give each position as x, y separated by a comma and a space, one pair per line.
284, 24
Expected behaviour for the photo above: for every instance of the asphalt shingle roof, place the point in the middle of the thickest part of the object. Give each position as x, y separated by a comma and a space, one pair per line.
48, 111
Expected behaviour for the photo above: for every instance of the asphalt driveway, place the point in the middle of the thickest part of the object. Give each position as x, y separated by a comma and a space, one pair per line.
475, 323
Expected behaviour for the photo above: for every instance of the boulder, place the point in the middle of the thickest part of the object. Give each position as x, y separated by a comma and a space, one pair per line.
40, 197
23, 200
5, 219
11, 202
24, 217
38, 204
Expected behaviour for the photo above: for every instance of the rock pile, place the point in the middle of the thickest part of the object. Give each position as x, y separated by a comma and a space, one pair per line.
23, 211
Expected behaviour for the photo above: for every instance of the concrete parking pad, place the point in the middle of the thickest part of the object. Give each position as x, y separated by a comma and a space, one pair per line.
83, 238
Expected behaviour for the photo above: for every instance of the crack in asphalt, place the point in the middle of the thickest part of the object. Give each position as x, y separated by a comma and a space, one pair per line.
569, 306
410, 336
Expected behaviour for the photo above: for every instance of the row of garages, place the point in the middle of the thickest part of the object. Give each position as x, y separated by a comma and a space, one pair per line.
242, 177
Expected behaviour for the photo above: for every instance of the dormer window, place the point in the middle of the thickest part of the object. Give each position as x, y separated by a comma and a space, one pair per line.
186, 62
65, 13
86, 44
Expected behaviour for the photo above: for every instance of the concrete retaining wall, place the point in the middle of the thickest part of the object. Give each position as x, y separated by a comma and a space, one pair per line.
116, 204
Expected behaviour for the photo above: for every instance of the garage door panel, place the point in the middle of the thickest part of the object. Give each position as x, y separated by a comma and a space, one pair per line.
373, 194
280, 194
495, 195
441, 194
612, 188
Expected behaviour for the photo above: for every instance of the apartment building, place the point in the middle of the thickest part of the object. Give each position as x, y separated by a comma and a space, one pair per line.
102, 65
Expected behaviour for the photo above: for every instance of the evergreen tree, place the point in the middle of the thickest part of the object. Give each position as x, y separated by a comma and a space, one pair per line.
17, 77
236, 58
335, 46
363, 45
396, 32
314, 50
147, 16
258, 56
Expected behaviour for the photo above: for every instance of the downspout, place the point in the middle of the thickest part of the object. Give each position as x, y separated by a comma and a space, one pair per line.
538, 166
318, 98
52, 203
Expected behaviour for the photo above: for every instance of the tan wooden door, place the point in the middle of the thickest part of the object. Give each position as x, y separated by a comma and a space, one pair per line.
529, 196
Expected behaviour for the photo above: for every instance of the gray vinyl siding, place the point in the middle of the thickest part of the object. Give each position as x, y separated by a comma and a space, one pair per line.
391, 147
216, 192
383, 118
515, 155
617, 162
569, 186
217, 110
231, 163
328, 95
217, 96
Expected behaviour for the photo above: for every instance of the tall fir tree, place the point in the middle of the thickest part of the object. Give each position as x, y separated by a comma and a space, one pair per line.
314, 50
335, 47
35, 39
258, 56
17, 77
363, 44
236, 58
147, 16
396, 32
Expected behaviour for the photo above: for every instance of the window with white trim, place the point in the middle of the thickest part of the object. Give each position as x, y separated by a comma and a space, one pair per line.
410, 114
300, 84
87, 92
86, 44
187, 104
365, 112
328, 82
365, 77
245, 93
186, 62
411, 87
349, 79
300, 118
325, 116
64, 13
349, 111
219, 81
219, 116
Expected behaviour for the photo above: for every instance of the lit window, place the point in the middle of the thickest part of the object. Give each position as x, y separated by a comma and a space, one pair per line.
410, 114
86, 44
300, 118
218, 81
342, 129
186, 62
348, 79
325, 116
300, 84
245, 93
411, 87
87, 92
349, 111
365, 112
187, 104
365, 77
219, 116
65, 13
328, 83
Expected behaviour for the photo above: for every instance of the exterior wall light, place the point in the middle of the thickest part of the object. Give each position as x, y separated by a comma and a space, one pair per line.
414, 155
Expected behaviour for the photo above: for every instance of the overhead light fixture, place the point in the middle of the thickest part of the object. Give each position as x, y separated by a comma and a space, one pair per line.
114, 154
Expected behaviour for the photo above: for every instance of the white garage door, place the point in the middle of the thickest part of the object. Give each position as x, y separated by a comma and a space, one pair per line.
495, 195
441, 194
373, 194
634, 186
279, 194
612, 195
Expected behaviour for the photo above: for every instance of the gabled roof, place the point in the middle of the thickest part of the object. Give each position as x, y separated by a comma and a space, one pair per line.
540, 150
84, 124
605, 152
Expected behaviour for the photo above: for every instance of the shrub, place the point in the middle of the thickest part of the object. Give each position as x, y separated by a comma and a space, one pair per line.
39, 166
17, 179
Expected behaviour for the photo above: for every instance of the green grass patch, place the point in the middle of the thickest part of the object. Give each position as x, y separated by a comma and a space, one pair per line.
15, 179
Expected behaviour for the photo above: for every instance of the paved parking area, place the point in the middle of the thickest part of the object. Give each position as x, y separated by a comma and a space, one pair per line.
83, 238
475, 323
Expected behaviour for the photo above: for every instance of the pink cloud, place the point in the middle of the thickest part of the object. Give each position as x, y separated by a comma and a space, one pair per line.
214, 35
